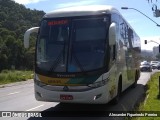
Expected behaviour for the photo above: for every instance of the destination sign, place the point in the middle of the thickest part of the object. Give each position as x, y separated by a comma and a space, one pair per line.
57, 22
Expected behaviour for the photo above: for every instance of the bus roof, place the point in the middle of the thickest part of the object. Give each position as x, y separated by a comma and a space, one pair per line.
84, 11
81, 11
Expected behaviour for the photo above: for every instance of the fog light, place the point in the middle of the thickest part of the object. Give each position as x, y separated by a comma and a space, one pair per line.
97, 96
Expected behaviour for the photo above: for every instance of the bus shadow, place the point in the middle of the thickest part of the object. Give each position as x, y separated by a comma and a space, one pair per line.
130, 99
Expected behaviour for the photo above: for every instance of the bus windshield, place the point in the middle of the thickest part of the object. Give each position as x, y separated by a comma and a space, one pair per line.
72, 45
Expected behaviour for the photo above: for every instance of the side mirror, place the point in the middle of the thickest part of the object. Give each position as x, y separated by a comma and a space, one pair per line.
112, 34
27, 35
145, 41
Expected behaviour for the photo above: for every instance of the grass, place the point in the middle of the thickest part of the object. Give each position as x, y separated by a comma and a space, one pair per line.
152, 101
10, 76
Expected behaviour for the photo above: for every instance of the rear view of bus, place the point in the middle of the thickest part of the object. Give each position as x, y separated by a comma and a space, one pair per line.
74, 56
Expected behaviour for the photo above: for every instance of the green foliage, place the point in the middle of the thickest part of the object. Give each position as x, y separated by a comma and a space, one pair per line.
152, 101
7, 76
15, 19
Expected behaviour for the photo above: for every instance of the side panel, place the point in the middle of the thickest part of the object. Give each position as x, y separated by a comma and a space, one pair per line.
128, 49
126, 36
120, 52
112, 84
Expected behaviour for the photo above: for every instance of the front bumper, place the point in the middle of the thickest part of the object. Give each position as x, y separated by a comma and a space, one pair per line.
93, 96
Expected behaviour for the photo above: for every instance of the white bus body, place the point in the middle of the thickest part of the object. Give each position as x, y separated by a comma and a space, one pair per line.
86, 54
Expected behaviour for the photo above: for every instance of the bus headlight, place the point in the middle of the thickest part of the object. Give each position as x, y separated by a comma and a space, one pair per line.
98, 84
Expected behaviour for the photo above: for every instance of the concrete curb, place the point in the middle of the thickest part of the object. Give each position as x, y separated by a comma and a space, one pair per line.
142, 99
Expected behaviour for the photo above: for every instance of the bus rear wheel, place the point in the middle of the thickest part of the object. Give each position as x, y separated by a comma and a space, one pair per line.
136, 79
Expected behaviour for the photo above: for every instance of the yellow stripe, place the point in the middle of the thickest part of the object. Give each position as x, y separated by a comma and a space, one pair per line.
57, 81
53, 81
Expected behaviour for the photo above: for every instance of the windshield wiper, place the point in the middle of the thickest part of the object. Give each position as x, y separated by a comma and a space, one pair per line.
56, 62
78, 63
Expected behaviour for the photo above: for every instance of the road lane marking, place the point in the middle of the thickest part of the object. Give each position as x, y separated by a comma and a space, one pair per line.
13, 93
5, 95
35, 107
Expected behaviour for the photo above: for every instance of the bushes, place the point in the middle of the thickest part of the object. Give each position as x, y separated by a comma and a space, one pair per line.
7, 76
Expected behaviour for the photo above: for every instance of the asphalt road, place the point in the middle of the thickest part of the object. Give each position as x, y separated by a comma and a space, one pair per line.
20, 97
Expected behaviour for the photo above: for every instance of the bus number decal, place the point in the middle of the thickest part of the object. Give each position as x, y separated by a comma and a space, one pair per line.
54, 81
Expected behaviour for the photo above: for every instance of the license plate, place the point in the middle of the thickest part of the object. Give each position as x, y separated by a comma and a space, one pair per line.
66, 97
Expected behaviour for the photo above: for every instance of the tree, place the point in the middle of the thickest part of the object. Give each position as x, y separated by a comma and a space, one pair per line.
154, 7
3, 16
151, 1
15, 19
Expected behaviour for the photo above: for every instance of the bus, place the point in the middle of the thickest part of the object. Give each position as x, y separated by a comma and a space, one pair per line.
85, 54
